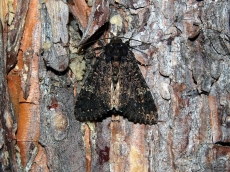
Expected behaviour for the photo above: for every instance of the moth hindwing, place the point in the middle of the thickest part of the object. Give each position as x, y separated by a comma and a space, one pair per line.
116, 85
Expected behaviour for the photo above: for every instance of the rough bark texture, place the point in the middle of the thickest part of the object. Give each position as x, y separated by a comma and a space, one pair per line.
41, 72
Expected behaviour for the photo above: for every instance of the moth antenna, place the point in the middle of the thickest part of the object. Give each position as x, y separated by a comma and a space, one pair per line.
138, 50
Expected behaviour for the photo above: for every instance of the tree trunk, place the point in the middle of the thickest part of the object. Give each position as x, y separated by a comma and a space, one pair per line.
42, 71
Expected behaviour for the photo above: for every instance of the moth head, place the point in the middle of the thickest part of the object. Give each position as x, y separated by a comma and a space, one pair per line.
116, 40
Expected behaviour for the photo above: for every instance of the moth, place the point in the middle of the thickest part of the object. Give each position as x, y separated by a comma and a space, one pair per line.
115, 85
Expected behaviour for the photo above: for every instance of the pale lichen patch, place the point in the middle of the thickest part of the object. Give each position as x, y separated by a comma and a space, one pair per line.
78, 65
117, 20
46, 45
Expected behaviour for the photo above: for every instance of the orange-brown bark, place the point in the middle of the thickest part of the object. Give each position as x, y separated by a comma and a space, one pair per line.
27, 110
87, 148
4, 11
81, 10
214, 118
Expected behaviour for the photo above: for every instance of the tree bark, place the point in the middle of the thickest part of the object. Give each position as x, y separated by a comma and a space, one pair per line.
42, 70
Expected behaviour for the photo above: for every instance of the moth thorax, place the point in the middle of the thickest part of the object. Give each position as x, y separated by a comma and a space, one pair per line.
116, 64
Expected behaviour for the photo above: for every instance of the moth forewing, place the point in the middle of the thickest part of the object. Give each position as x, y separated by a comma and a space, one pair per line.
119, 87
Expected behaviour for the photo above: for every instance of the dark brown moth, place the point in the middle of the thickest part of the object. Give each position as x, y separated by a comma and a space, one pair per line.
116, 85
